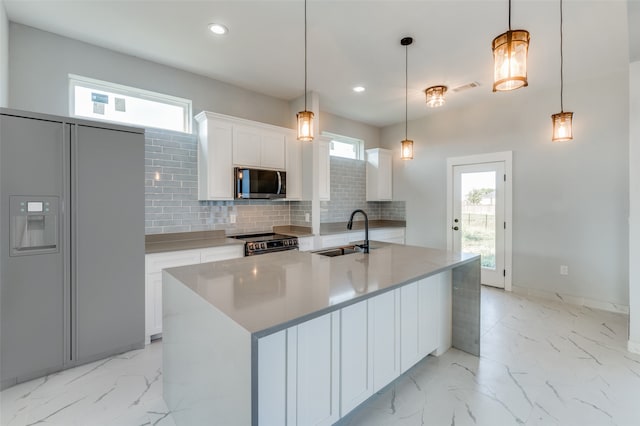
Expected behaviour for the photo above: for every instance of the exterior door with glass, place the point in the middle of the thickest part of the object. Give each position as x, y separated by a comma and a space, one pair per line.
478, 222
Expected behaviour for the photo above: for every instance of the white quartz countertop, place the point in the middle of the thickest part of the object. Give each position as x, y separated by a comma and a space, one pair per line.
267, 293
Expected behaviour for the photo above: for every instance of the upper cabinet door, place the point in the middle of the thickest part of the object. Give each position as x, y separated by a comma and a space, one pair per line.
215, 168
379, 175
272, 150
246, 146
256, 147
294, 167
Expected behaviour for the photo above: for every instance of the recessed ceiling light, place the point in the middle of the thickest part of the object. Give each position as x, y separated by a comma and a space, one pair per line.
218, 29
358, 89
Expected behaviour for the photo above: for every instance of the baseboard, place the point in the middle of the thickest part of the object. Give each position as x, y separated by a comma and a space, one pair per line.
572, 300
633, 346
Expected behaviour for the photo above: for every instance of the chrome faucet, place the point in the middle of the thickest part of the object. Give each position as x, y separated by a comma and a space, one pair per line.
365, 245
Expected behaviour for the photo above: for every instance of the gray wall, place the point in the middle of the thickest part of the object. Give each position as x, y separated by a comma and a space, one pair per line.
634, 196
348, 193
4, 56
39, 64
633, 9
570, 203
354, 129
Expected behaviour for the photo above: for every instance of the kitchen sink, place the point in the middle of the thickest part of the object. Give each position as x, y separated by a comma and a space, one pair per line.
339, 251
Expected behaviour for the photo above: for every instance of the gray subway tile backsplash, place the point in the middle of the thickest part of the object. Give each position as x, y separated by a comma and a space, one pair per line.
171, 194
172, 205
348, 193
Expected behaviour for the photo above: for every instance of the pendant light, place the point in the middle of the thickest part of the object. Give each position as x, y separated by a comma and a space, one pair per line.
305, 118
510, 59
406, 150
562, 121
435, 96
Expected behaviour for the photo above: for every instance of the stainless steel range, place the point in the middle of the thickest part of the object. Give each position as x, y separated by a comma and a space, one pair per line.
267, 243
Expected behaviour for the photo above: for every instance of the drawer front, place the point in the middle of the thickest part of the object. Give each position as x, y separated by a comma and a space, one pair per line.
156, 262
214, 254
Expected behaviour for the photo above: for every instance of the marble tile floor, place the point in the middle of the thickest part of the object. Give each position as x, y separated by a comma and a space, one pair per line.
543, 363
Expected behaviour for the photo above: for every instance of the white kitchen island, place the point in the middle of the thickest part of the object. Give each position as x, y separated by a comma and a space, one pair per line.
295, 338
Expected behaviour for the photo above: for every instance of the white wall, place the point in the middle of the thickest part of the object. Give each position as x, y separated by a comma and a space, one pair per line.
4, 56
570, 199
634, 208
39, 64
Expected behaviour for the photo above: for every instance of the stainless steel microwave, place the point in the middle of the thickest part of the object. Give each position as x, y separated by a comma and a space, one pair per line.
259, 183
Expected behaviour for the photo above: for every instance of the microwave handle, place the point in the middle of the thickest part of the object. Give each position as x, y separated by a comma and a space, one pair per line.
279, 183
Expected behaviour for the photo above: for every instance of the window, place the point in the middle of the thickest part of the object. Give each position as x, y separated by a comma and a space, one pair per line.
346, 147
101, 100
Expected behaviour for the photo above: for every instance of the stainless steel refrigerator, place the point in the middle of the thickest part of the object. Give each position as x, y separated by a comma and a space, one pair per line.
71, 243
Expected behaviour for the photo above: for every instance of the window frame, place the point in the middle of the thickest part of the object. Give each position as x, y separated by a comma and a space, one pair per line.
120, 89
358, 143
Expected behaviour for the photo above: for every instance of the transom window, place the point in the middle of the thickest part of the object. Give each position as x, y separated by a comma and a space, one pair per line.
102, 100
346, 147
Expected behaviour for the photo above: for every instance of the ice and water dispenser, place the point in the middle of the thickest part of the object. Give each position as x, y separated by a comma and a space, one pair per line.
34, 225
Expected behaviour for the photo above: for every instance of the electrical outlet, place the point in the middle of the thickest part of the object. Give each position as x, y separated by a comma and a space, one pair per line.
564, 270
232, 218
307, 218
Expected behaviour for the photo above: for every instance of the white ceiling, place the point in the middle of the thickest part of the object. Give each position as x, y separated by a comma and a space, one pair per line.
349, 43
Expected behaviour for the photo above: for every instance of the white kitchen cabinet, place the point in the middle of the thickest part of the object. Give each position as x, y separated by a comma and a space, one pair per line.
294, 167
156, 262
214, 254
313, 371
246, 146
385, 310
257, 147
409, 346
215, 166
324, 169
272, 379
334, 240
379, 175
320, 370
388, 235
356, 356
305, 243
419, 320
152, 305
429, 313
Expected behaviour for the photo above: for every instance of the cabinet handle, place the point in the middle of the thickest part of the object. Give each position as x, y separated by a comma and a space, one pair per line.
455, 228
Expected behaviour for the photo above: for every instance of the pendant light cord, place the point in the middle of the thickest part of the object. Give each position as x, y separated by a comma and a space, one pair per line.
406, 90
509, 15
305, 55
561, 63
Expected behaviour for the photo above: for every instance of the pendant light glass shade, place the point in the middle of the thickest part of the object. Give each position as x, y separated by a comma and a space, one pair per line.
562, 126
406, 146
406, 150
435, 96
305, 118
510, 51
305, 126
562, 121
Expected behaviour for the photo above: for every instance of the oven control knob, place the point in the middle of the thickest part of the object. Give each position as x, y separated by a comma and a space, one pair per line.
250, 246
263, 245
286, 242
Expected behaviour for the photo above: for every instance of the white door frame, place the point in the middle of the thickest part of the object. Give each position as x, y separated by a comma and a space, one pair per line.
507, 158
